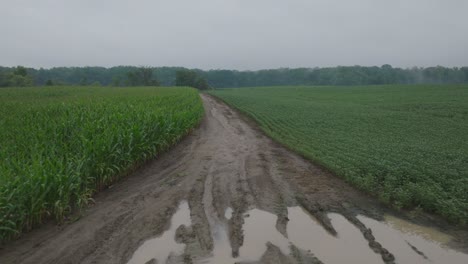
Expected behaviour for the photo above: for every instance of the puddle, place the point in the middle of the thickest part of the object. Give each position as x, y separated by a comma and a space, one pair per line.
160, 248
222, 252
260, 228
304, 232
428, 233
408, 242
399, 236
349, 246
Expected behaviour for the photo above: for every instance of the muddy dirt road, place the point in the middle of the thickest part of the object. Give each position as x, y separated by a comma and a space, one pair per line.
228, 194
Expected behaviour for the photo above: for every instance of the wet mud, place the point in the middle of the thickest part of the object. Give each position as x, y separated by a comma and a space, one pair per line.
229, 194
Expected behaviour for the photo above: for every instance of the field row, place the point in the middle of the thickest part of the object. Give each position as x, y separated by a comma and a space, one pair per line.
408, 145
61, 145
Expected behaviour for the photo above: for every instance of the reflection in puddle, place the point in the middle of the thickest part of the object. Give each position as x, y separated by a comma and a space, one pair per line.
426, 232
160, 248
304, 232
408, 242
228, 213
398, 236
259, 228
222, 252
348, 247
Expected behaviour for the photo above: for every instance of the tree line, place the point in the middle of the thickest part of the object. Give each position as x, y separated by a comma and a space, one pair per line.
97, 76
204, 79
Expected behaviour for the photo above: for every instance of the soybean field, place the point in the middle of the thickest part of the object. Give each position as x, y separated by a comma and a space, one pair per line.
60, 145
407, 145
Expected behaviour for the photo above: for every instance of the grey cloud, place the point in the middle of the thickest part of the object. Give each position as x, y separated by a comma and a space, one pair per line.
235, 34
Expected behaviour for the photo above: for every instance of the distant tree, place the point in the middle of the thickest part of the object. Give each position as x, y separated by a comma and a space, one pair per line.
387, 73
20, 71
116, 81
3, 80
142, 76
132, 79
129, 75
202, 84
49, 82
185, 78
192, 79
19, 81
146, 76
18, 77
84, 81
464, 74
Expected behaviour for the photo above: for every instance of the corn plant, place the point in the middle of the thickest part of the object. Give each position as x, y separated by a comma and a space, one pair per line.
60, 145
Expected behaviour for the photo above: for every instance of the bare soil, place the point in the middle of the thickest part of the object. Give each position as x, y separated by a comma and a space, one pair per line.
225, 163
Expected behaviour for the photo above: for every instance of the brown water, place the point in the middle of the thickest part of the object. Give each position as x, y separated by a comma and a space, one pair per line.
400, 236
408, 242
259, 228
160, 248
303, 231
349, 246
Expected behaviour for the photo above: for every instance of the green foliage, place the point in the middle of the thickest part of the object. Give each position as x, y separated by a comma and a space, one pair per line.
15, 80
142, 76
341, 75
191, 79
17, 77
59, 145
408, 145
20, 71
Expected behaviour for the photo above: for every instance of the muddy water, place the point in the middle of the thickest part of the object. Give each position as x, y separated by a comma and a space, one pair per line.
349, 246
305, 233
160, 248
411, 243
222, 252
259, 228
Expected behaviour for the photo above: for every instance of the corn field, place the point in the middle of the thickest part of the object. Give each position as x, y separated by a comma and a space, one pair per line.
60, 145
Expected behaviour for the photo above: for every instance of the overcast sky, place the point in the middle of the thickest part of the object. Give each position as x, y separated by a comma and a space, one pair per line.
233, 34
